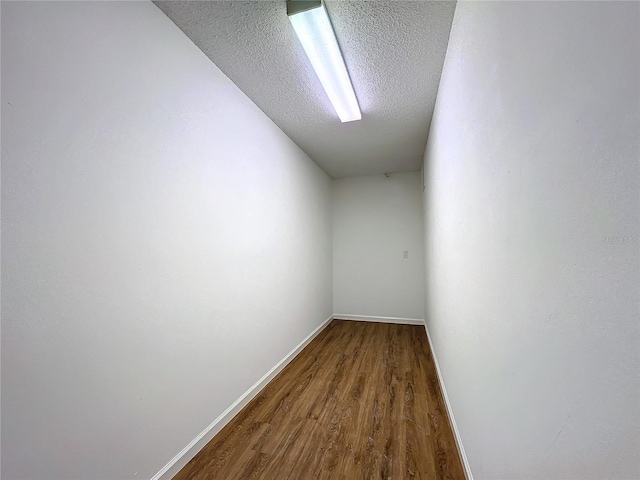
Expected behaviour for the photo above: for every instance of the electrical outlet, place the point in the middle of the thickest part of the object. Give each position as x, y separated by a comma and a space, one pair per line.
405, 254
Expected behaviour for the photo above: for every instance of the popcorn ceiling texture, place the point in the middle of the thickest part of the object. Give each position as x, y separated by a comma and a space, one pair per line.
394, 51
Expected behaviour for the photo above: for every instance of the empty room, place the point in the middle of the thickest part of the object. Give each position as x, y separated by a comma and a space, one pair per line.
320, 239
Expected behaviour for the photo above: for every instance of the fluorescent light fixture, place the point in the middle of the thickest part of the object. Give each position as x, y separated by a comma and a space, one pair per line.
313, 27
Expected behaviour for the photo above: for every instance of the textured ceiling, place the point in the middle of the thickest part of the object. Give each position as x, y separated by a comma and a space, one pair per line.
394, 51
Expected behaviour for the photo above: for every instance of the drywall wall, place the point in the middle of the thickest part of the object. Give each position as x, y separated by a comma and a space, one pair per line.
375, 220
532, 232
164, 244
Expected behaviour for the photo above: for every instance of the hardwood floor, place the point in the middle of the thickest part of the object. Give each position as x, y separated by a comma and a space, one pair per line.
361, 401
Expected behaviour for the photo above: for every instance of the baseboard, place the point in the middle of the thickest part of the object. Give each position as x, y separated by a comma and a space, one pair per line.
367, 318
452, 420
190, 451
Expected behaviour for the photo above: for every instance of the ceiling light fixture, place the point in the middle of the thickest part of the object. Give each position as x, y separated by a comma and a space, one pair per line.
313, 27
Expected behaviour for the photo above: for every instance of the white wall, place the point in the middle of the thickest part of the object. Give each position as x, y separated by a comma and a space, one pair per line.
531, 169
376, 219
164, 243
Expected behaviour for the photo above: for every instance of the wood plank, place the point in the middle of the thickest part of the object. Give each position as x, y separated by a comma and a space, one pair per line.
361, 401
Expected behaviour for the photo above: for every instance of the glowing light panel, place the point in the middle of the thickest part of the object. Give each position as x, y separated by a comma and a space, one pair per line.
314, 30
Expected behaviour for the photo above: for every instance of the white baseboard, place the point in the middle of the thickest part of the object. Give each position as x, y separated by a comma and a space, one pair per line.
190, 451
456, 433
367, 318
